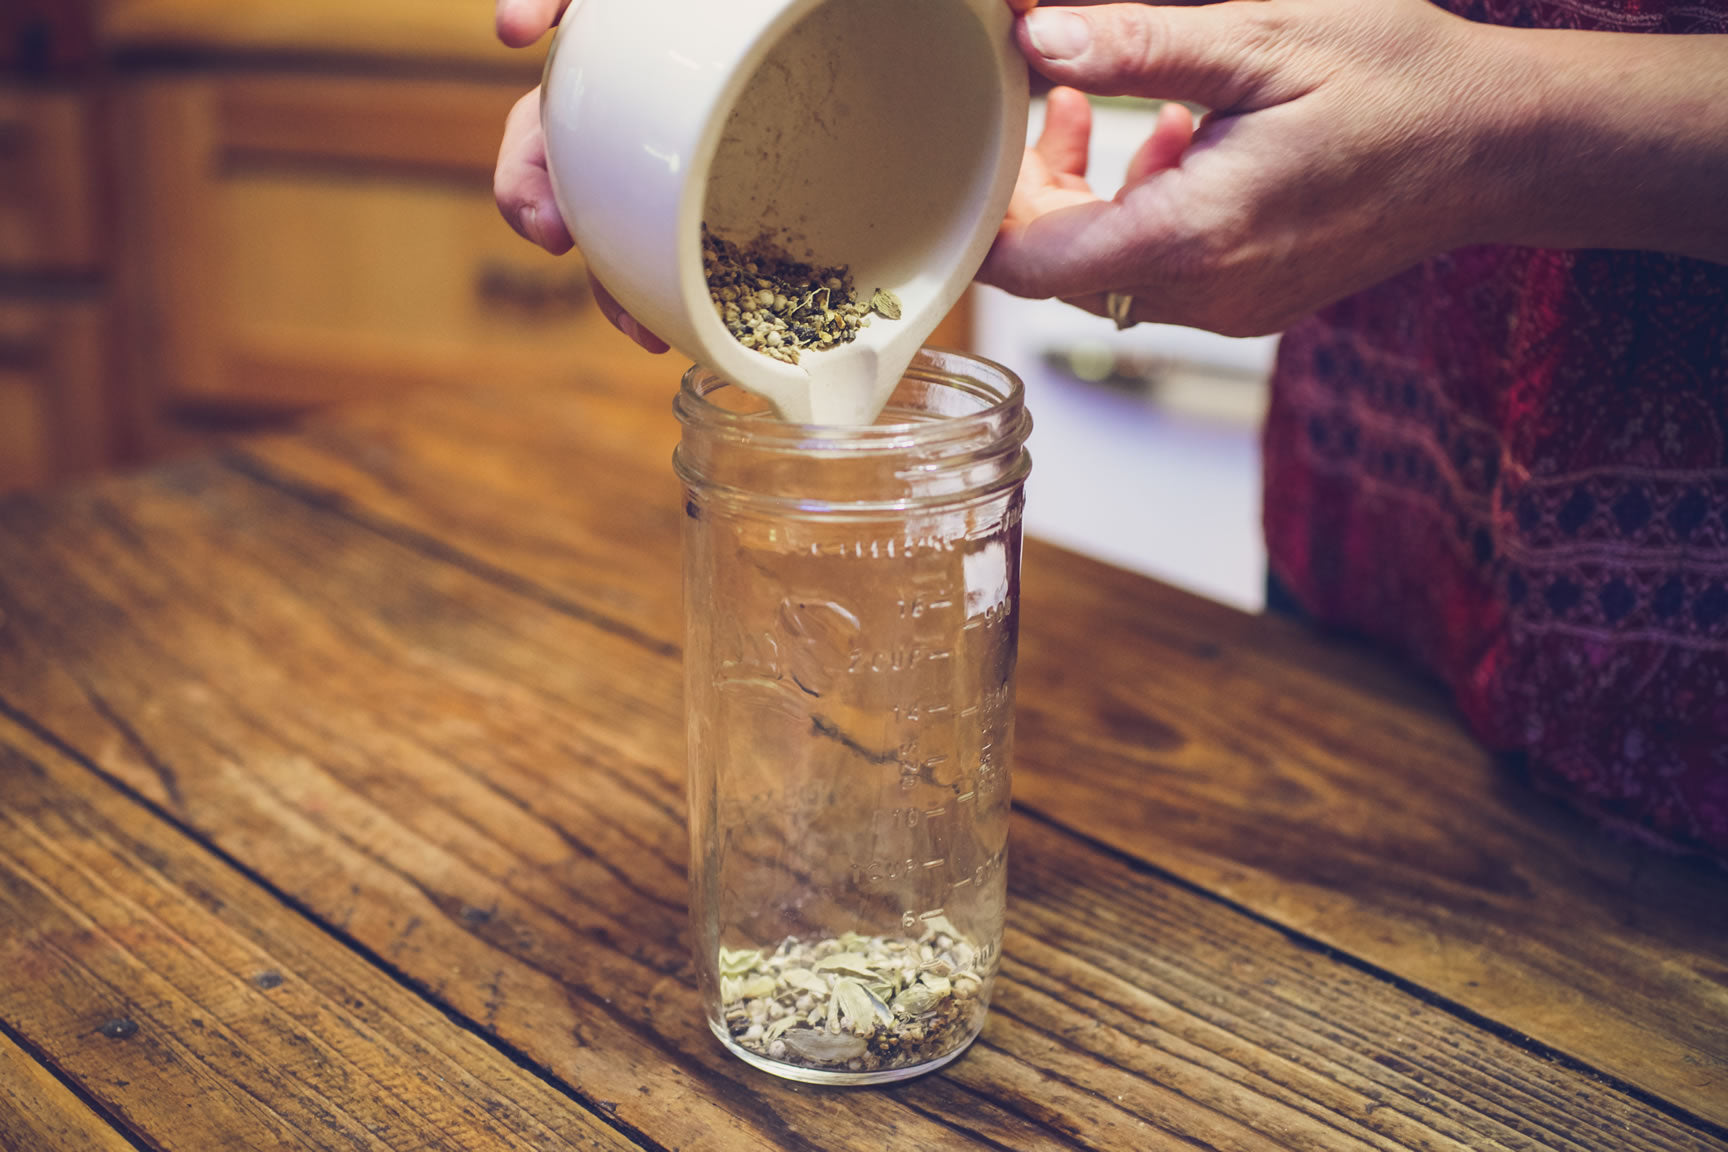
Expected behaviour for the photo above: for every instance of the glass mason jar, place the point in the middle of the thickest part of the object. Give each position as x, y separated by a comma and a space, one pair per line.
851, 601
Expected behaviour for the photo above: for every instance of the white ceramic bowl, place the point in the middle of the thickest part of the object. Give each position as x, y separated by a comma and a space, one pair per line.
881, 134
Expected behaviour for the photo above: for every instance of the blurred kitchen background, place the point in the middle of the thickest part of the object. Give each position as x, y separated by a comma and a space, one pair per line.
217, 215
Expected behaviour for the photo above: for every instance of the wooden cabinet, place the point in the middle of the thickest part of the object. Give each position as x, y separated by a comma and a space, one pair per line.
49, 224
55, 422
296, 239
299, 239
54, 413
306, 212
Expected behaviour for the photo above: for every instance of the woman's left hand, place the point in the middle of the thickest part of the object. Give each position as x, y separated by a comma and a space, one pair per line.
1348, 139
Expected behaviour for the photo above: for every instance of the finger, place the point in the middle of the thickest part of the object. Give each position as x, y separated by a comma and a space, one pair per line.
622, 320
1052, 174
1021, 7
521, 22
1066, 142
1219, 55
1081, 249
1171, 134
1075, 249
521, 184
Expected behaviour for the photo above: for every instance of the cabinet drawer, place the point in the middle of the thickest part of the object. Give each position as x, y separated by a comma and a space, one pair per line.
302, 239
399, 279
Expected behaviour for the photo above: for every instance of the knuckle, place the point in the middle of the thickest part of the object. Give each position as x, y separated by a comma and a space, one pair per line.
1269, 50
1140, 42
1264, 28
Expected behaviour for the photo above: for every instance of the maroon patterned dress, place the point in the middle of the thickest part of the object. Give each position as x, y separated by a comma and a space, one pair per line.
1511, 465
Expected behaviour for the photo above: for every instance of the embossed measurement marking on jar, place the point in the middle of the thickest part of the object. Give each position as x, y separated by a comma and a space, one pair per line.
912, 817
983, 873
895, 660
992, 701
894, 548
919, 710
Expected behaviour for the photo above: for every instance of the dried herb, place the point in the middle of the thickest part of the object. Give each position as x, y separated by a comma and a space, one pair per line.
779, 306
855, 1003
885, 304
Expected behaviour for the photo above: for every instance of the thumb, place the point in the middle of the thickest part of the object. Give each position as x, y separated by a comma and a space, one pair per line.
1213, 55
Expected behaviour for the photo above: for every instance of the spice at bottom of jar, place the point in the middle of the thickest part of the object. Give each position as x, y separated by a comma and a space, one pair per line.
854, 1003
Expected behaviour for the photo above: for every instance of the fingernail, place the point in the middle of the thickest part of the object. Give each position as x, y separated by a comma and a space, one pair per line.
1058, 35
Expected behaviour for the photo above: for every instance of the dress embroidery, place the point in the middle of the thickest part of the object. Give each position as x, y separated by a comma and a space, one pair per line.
1511, 465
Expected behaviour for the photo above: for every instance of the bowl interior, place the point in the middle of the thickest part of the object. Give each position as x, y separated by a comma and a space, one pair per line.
870, 134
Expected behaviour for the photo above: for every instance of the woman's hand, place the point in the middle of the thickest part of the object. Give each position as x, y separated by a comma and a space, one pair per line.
521, 184
1346, 141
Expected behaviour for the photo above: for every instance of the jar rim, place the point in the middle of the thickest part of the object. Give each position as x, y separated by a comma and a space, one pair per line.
766, 432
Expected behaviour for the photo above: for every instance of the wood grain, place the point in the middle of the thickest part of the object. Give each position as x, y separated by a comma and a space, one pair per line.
1312, 783
1354, 821
430, 31
40, 1114
204, 1014
476, 779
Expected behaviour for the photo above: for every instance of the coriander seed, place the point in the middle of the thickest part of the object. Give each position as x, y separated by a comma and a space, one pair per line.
781, 307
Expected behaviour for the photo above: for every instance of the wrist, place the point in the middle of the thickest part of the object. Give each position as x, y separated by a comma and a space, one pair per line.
1502, 134
1605, 140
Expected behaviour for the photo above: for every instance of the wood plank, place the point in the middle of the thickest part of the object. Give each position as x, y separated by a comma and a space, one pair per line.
1436, 864
448, 31
1166, 1001
204, 1014
482, 787
1226, 749
571, 488
450, 126
39, 1113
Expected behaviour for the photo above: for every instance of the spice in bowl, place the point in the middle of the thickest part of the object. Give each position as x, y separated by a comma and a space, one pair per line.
781, 307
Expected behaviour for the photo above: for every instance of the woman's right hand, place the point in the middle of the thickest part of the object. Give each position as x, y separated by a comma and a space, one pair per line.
521, 183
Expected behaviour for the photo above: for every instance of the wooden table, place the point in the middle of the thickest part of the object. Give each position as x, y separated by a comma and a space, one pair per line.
341, 807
